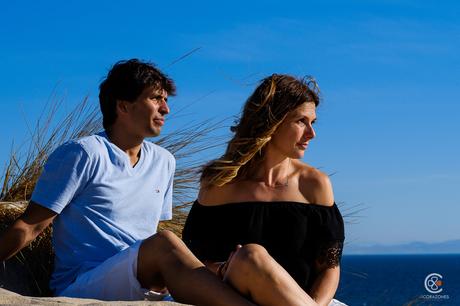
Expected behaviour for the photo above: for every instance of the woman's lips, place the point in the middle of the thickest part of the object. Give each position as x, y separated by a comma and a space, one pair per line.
303, 145
159, 121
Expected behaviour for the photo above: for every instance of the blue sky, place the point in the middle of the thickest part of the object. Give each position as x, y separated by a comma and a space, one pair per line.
389, 72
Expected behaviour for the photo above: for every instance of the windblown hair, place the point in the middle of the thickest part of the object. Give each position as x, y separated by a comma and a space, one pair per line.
274, 98
126, 81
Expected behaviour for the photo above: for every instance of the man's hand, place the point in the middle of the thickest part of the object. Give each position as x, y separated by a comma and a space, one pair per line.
25, 229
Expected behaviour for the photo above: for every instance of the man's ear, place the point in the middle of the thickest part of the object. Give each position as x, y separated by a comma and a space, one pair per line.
122, 106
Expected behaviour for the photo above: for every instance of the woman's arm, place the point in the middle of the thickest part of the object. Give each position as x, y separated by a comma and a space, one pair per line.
325, 285
212, 265
317, 188
220, 267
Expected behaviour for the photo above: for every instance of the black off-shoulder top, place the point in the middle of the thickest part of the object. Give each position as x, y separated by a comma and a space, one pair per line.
295, 234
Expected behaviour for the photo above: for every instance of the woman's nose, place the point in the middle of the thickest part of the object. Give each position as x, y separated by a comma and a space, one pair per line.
310, 132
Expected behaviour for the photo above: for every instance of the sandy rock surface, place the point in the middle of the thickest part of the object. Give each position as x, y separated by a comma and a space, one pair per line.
10, 298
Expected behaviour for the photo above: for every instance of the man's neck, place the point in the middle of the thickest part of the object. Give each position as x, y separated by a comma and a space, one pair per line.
128, 143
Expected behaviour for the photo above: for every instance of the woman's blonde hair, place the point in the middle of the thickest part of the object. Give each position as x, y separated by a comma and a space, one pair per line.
263, 112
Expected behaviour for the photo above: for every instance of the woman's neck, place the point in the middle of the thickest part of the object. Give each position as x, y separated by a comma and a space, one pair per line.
274, 170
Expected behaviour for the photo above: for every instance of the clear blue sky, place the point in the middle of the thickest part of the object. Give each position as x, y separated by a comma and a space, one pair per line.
389, 72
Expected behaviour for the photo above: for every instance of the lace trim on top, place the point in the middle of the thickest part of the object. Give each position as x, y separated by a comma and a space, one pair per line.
330, 254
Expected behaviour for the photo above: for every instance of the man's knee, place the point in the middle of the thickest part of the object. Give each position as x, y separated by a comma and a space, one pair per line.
162, 241
167, 237
156, 252
153, 258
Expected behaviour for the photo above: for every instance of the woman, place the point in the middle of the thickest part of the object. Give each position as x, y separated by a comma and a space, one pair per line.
261, 196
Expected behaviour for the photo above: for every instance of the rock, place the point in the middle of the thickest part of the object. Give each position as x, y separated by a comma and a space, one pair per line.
10, 298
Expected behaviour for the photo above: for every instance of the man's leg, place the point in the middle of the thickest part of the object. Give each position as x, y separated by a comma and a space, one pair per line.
254, 273
164, 260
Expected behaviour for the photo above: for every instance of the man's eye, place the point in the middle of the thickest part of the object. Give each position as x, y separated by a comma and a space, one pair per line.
159, 99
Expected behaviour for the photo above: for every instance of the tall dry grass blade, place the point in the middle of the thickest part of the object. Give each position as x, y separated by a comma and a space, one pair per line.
22, 173
183, 56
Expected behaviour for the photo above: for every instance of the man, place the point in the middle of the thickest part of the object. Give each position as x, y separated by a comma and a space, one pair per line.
106, 194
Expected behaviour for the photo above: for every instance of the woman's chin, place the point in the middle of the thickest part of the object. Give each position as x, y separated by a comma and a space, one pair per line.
298, 154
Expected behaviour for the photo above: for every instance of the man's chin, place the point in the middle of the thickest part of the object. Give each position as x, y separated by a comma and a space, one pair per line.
152, 133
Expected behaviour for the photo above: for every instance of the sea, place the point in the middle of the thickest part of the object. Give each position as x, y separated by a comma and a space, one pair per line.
400, 280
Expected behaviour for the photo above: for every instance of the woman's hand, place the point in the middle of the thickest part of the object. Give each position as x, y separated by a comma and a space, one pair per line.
220, 267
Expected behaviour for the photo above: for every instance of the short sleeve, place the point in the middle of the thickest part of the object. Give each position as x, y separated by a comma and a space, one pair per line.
166, 211
330, 237
64, 175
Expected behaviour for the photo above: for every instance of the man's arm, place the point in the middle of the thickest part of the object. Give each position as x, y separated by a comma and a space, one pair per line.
25, 229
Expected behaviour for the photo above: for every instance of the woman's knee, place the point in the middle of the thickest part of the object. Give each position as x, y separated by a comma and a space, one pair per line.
250, 256
248, 265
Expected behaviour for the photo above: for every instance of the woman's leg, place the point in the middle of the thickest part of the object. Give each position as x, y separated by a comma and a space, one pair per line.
164, 260
254, 273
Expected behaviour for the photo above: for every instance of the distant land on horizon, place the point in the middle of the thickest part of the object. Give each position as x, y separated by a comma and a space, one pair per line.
416, 247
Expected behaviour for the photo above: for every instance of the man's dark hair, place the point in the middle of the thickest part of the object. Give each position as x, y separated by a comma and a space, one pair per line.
126, 81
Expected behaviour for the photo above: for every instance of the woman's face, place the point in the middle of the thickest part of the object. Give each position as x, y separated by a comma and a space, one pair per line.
292, 137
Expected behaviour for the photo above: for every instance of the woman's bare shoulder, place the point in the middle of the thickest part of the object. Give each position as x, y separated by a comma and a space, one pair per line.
211, 195
315, 185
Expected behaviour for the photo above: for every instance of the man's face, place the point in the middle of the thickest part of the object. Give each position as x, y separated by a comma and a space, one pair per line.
147, 113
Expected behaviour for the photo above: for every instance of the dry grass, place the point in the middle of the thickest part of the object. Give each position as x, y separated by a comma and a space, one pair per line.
35, 260
24, 166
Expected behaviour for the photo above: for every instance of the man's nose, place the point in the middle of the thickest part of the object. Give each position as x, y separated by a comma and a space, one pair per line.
164, 108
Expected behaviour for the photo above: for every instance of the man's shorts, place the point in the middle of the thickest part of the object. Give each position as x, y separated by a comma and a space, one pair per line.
114, 279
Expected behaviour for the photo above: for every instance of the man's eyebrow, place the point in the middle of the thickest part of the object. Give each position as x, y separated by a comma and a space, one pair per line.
159, 95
